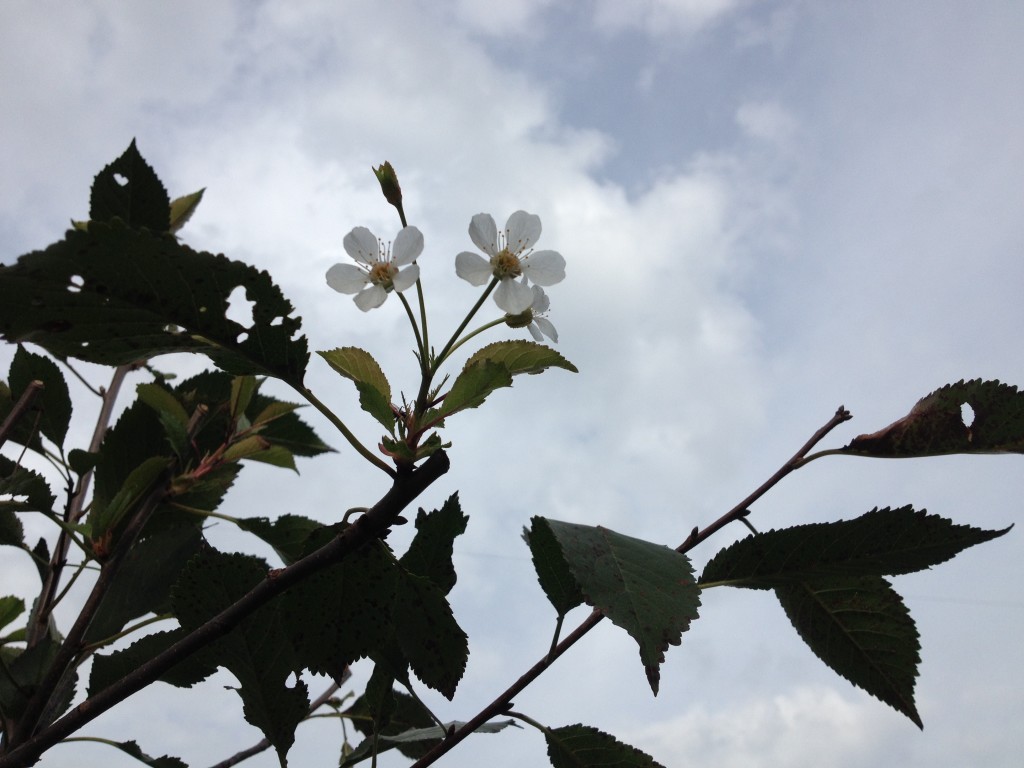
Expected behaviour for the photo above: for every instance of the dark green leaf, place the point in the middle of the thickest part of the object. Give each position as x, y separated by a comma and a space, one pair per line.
580, 746
54, 403
144, 480
22, 490
429, 637
552, 571
109, 669
10, 609
938, 425
128, 189
647, 589
279, 425
171, 412
114, 295
143, 583
878, 543
131, 748
342, 613
522, 357
258, 652
430, 553
396, 712
861, 629
23, 671
287, 534
374, 389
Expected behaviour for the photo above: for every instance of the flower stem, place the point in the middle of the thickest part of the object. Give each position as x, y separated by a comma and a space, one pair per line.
340, 425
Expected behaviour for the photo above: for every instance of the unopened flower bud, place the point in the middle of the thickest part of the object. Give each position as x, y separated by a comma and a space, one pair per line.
389, 184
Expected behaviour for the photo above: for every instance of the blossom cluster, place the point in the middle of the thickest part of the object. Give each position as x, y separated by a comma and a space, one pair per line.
519, 272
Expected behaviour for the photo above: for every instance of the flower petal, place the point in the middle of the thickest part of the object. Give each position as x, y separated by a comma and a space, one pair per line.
513, 297
406, 278
347, 278
541, 302
522, 231
532, 328
408, 246
371, 297
361, 244
484, 233
545, 326
473, 268
544, 267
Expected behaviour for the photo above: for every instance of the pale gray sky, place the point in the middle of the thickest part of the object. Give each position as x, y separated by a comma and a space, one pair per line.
767, 209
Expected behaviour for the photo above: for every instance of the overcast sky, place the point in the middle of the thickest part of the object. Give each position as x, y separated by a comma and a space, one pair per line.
767, 209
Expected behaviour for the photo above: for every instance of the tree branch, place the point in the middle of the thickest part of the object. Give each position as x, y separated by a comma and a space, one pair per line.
371, 525
504, 702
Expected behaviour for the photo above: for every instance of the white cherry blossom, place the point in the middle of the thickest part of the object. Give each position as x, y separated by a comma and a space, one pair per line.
378, 266
540, 326
511, 256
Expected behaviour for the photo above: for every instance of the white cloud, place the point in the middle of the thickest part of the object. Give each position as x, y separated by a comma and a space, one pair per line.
803, 728
662, 17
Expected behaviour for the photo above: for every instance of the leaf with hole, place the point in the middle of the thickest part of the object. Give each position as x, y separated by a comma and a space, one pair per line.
128, 190
939, 424
115, 295
258, 652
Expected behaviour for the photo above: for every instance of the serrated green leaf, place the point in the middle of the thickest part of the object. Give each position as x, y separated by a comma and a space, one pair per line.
580, 746
882, 542
470, 388
373, 386
552, 570
114, 295
128, 189
287, 534
429, 637
522, 357
25, 429
111, 668
182, 209
647, 589
136, 436
258, 652
936, 425
54, 402
861, 629
430, 553
133, 749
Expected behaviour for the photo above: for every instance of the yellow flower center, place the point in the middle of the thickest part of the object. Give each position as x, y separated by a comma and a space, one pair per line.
383, 273
506, 264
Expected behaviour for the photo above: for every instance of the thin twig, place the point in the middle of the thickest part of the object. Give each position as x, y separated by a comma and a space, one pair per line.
504, 702
47, 595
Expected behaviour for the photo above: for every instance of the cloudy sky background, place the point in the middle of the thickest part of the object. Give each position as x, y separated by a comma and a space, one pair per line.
767, 209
